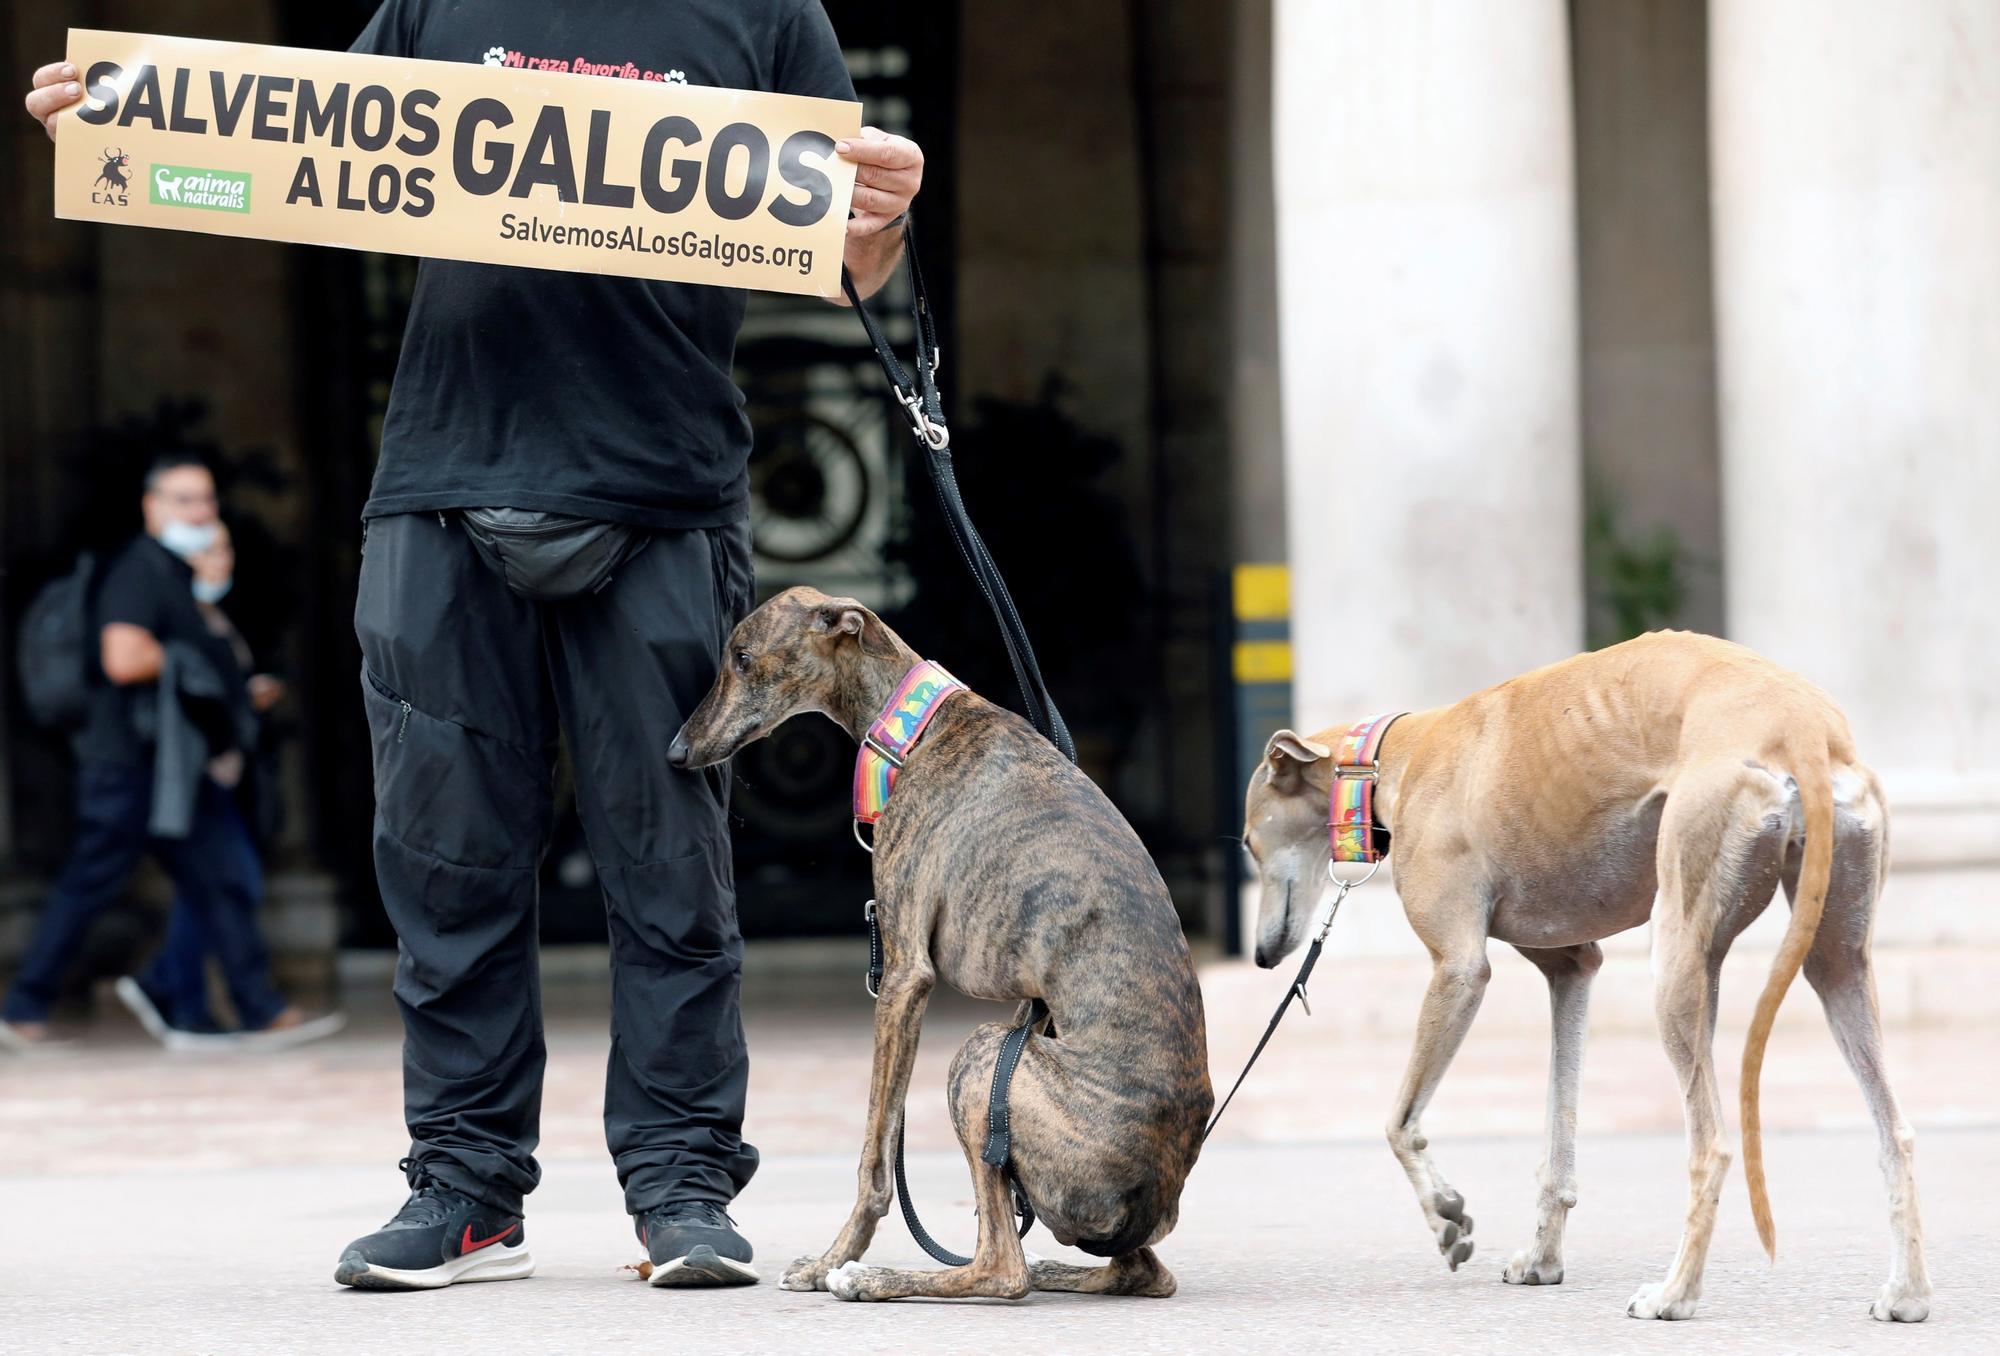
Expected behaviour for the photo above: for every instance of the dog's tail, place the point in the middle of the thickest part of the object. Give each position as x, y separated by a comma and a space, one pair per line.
1812, 768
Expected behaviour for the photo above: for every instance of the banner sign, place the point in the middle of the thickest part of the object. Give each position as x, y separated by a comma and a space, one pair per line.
645, 178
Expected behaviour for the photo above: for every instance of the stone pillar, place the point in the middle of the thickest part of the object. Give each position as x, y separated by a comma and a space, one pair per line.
1427, 299
1857, 210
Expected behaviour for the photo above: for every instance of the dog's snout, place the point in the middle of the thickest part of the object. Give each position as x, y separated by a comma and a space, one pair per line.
1265, 960
677, 752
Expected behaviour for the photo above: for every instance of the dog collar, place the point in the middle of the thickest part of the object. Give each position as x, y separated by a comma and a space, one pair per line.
895, 732
1356, 768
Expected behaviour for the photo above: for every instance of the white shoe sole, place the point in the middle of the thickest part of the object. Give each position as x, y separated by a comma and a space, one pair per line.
703, 1266
135, 999
488, 1264
267, 1042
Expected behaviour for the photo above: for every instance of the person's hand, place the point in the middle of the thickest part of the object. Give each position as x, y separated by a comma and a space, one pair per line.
55, 89
265, 692
890, 171
217, 564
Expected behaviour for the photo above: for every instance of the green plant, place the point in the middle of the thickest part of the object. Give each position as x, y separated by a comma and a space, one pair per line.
1632, 584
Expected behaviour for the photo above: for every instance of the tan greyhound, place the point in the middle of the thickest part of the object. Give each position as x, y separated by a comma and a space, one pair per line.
1675, 777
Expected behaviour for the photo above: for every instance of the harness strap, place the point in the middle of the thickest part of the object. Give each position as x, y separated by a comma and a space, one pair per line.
999, 1119
874, 951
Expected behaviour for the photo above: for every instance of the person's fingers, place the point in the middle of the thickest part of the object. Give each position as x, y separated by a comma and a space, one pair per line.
888, 152
903, 181
53, 72
44, 102
875, 202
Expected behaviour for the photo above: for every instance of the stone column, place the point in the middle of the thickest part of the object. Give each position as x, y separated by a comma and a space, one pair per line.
1857, 230
1427, 303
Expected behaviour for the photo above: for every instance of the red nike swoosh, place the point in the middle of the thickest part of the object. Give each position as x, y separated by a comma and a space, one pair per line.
466, 1244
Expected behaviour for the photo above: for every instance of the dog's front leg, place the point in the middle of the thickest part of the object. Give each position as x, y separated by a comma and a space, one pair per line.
1458, 982
899, 1015
999, 1268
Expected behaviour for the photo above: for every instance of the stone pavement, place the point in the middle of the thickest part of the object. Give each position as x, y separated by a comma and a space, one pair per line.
151, 1203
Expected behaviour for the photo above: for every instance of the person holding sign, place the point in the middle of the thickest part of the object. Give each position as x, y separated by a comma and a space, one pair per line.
556, 540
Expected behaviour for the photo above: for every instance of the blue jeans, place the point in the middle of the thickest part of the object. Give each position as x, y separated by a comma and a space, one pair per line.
218, 887
177, 980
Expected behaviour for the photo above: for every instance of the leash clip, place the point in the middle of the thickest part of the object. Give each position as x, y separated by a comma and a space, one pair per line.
929, 432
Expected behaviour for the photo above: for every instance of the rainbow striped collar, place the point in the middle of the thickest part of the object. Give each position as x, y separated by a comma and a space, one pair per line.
1357, 765
895, 732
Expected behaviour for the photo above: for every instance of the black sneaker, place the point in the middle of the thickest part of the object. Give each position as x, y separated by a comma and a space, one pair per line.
438, 1238
694, 1243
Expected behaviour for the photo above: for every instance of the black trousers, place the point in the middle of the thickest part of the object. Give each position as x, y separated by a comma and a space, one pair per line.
465, 683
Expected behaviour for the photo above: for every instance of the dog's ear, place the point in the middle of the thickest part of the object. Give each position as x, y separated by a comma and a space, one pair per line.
1287, 752
840, 617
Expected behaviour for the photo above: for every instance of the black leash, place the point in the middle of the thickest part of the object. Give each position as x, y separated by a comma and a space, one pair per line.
1298, 991
999, 1148
924, 408
921, 404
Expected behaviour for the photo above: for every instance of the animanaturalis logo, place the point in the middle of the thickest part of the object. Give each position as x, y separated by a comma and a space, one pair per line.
215, 190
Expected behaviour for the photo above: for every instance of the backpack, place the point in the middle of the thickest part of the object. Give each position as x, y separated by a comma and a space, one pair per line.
55, 655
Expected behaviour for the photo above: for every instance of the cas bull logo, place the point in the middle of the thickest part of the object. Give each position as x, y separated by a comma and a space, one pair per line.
113, 178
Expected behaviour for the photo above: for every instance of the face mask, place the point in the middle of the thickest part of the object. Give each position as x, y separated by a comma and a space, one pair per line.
187, 539
212, 590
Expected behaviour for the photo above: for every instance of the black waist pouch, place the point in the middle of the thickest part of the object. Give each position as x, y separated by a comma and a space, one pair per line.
551, 556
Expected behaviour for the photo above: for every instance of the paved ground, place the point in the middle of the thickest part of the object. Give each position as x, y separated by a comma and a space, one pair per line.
158, 1204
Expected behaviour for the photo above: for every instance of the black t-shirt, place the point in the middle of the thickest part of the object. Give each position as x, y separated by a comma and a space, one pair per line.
575, 393
147, 586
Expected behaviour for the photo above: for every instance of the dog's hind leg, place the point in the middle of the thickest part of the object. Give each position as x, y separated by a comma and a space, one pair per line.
1458, 983
899, 1016
999, 1267
1139, 1272
1569, 971
1840, 971
1721, 844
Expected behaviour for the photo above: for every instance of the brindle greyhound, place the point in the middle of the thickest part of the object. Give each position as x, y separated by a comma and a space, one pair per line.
1004, 871
1675, 777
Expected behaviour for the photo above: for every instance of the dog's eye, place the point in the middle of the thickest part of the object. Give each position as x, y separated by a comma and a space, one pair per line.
742, 661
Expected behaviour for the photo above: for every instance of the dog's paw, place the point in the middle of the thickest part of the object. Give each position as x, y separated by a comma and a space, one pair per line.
1527, 1269
1454, 1236
849, 1282
1651, 1301
808, 1273
1898, 1303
